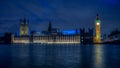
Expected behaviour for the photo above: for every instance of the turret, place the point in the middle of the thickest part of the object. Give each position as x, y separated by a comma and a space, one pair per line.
23, 27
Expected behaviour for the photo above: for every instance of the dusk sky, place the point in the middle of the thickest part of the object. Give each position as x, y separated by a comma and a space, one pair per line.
64, 14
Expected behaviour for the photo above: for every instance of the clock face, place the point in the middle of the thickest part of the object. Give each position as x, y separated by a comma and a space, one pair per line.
98, 23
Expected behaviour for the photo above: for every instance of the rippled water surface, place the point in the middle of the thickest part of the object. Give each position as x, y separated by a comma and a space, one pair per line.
60, 56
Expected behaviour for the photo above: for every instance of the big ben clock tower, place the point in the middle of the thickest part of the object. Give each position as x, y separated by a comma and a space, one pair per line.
98, 31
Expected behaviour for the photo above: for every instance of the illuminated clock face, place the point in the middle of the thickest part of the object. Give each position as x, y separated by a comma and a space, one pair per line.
98, 23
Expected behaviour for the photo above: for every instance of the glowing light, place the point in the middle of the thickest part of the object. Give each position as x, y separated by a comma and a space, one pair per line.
98, 23
70, 32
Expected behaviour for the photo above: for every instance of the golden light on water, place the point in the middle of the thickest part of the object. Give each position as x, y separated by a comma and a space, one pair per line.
98, 56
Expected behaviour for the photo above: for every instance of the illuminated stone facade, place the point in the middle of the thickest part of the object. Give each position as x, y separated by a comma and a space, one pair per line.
21, 39
97, 38
23, 27
48, 39
54, 35
57, 39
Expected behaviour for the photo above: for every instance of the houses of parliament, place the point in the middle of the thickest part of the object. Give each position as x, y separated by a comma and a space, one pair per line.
55, 35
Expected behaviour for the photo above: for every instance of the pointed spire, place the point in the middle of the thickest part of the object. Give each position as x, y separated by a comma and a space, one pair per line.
97, 17
24, 20
49, 26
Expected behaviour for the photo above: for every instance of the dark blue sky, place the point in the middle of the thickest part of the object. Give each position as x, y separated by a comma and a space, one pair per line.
64, 14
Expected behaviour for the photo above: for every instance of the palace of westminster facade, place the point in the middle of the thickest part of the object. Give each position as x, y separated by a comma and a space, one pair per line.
53, 35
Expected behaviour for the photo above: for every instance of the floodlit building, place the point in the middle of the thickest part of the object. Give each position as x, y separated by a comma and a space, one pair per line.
55, 35
52, 35
97, 38
23, 27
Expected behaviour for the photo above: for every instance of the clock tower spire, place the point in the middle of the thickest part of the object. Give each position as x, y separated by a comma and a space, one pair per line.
98, 31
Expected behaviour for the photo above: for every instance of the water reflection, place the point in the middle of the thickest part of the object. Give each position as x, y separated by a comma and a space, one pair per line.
60, 56
5, 56
98, 56
46, 56
112, 56
86, 56
20, 56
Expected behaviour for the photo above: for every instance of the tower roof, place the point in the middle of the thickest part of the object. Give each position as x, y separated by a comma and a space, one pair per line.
24, 20
49, 26
97, 17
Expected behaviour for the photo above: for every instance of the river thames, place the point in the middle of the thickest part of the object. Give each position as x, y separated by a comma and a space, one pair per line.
60, 56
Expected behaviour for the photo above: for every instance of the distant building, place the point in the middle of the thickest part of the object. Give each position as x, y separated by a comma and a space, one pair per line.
1, 39
113, 37
86, 37
23, 27
8, 38
49, 27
